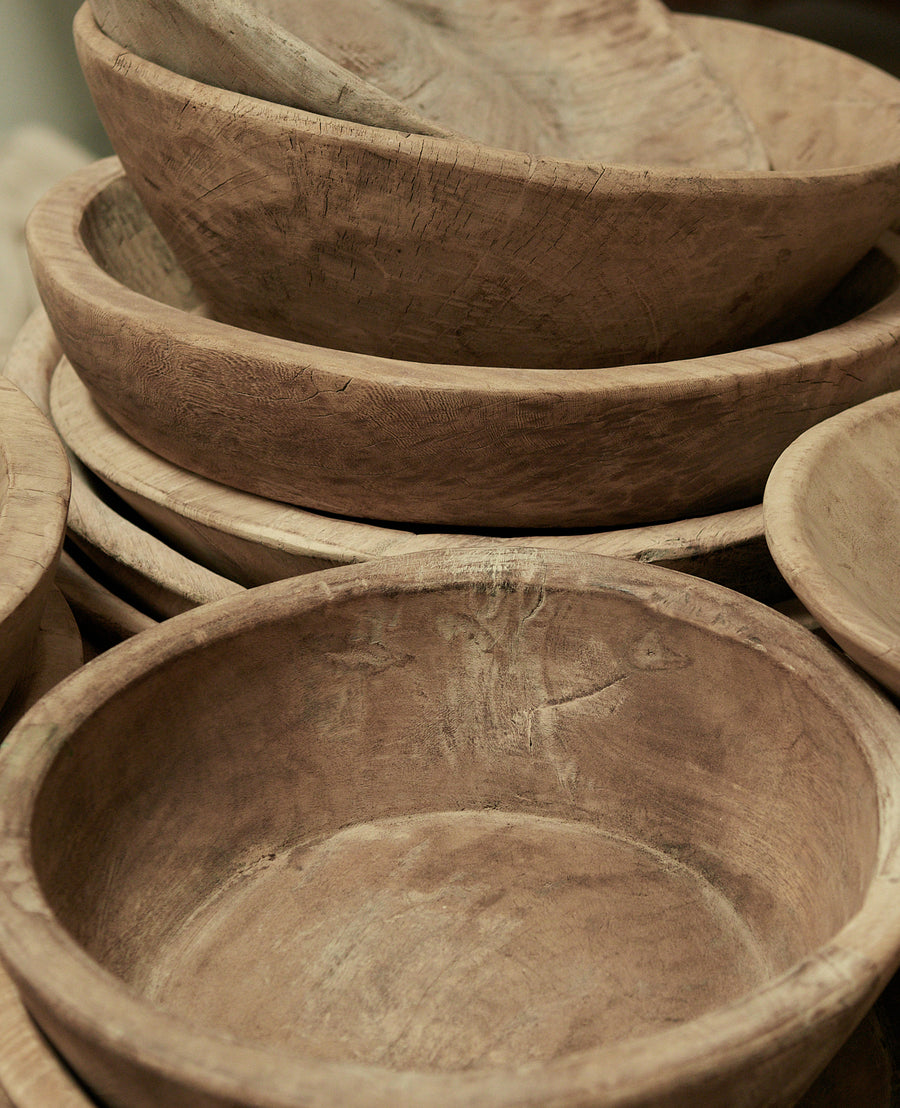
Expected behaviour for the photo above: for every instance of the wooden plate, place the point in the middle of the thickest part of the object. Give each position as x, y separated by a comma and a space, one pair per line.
252, 540
409, 752
432, 445
832, 517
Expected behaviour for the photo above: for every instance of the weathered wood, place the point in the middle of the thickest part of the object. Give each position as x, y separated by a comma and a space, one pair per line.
137, 565
57, 652
832, 518
34, 493
432, 249
492, 828
616, 81
253, 540
431, 444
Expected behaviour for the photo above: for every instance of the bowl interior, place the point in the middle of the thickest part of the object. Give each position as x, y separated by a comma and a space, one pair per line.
463, 821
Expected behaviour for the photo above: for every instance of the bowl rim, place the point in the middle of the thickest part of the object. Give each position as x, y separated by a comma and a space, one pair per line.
845, 972
57, 247
34, 504
448, 150
857, 628
128, 467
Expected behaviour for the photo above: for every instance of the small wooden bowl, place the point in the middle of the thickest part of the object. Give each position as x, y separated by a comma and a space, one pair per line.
615, 82
427, 248
136, 564
252, 540
34, 495
427, 444
832, 519
496, 828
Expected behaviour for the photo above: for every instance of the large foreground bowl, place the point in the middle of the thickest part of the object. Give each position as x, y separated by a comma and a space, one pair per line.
253, 540
420, 442
832, 519
500, 828
427, 248
34, 495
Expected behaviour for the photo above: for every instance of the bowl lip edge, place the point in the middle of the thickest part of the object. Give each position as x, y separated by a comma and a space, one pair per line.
824, 971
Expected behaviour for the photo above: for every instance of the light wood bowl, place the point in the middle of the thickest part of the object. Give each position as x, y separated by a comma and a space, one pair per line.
252, 540
832, 518
432, 249
34, 494
618, 82
496, 828
56, 652
138, 567
430, 444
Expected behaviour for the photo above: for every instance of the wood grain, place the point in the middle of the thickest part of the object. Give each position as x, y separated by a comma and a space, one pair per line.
615, 81
57, 652
832, 518
138, 565
34, 493
424, 444
438, 250
363, 752
253, 540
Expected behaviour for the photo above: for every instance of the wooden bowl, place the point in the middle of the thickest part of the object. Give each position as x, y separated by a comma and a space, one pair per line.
138, 567
427, 248
34, 494
56, 652
252, 540
832, 519
416, 442
496, 828
616, 82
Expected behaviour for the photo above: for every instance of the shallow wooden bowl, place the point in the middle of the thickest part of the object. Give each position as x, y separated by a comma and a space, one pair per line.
252, 540
431, 444
433, 249
137, 565
495, 828
34, 495
619, 82
832, 519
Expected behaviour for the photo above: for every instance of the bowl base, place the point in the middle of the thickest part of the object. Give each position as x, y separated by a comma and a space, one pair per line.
452, 940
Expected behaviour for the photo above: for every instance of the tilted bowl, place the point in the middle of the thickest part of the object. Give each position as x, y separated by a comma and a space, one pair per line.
495, 828
34, 495
832, 520
253, 540
434, 249
415, 442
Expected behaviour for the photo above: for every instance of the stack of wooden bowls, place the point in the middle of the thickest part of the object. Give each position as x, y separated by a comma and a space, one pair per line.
446, 811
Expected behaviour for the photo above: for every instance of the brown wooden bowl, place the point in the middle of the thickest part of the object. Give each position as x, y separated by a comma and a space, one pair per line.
619, 82
253, 540
430, 444
493, 827
433, 249
136, 564
34, 494
832, 519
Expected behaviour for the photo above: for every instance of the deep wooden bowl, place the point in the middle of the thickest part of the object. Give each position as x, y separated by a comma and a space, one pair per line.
34, 495
832, 519
433, 249
495, 828
252, 540
430, 444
